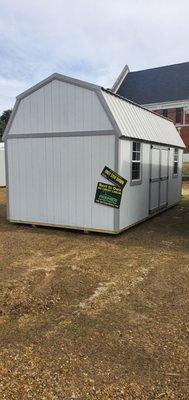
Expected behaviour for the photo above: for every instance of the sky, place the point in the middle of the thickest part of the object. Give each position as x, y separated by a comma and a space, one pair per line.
87, 39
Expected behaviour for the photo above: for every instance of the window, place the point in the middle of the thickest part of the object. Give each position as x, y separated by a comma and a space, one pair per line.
178, 115
136, 162
165, 113
175, 164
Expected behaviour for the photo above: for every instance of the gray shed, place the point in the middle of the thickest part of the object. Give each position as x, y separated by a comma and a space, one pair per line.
63, 133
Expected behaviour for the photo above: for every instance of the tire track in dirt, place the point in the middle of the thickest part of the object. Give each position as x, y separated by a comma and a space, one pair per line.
114, 291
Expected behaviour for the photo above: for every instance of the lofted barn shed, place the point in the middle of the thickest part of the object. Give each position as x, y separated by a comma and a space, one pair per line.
63, 133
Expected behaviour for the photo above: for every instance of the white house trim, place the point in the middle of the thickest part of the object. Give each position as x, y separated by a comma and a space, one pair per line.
120, 79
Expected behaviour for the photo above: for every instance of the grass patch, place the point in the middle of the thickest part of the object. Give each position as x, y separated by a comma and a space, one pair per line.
185, 172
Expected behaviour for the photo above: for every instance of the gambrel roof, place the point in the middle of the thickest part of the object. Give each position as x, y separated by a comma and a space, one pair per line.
60, 105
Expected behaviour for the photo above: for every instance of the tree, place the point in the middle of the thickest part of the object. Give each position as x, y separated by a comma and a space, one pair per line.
3, 121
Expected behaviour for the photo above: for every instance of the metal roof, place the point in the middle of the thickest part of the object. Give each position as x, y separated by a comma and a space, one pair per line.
127, 118
156, 85
139, 123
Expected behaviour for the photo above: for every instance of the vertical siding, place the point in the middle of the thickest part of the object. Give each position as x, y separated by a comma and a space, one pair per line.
175, 183
135, 199
53, 180
60, 107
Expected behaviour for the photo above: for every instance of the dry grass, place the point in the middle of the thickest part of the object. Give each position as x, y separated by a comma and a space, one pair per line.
185, 171
95, 316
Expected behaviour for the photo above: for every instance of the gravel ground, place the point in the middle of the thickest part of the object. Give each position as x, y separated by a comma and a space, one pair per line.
95, 316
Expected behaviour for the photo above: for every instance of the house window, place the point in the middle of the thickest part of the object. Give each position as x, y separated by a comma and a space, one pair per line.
175, 164
136, 162
178, 115
165, 113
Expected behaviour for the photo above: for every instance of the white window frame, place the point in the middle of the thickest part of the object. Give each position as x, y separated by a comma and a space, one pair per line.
137, 181
175, 161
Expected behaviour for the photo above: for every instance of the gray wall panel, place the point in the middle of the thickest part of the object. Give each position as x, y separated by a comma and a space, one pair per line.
53, 180
60, 107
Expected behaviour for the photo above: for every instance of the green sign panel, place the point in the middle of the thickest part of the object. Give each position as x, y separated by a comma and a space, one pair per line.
114, 177
108, 195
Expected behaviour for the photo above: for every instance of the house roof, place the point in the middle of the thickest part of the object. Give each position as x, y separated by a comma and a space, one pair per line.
156, 85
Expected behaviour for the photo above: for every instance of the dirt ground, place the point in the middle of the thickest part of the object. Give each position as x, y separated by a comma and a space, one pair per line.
95, 316
185, 171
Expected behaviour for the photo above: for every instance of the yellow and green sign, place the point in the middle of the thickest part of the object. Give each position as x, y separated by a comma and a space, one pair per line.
108, 195
113, 177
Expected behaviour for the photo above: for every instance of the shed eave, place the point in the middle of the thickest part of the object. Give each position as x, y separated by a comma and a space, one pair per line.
124, 137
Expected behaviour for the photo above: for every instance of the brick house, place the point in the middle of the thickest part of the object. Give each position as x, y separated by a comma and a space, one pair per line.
164, 90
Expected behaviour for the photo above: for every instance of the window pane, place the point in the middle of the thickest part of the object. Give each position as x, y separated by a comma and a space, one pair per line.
136, 161
135, 170
136, 155
178, 115
175, 168
134, 146
176, 155
138, 146
165, 113
135, 175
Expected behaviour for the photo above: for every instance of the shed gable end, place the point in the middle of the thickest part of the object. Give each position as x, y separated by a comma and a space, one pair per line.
59, 107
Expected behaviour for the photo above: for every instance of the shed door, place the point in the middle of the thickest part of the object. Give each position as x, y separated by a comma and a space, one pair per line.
164, 170
154, 179
158, 178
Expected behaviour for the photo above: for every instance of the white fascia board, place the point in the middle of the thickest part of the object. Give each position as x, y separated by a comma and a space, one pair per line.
10, 119
168, 104
120, 79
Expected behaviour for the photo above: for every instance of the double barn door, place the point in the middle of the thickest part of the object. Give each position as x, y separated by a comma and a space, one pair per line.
159, 176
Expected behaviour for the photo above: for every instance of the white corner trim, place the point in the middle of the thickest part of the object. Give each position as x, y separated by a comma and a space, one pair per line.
120, 79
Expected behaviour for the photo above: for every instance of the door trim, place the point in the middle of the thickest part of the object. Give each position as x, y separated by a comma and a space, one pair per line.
159, 179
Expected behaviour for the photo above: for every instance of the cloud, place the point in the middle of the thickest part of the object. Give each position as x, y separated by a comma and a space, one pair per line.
87, 39
8, 88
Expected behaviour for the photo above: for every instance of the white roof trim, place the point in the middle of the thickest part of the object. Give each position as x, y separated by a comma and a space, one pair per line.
59, 77
167, 104
120, 79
